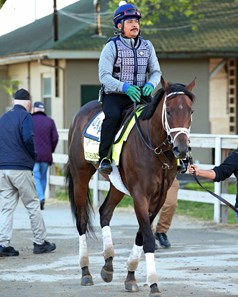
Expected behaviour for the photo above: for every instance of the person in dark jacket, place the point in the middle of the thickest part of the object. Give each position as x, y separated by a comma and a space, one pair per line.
45, 139
17, 158
219, 173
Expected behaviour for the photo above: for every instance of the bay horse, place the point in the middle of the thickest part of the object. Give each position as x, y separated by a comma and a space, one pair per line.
147, 168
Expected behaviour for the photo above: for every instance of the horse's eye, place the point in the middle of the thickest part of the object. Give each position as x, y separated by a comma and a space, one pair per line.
192, 111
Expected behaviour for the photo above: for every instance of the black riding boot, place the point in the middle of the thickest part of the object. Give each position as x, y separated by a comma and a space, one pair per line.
105, 152
113, 107
105, 166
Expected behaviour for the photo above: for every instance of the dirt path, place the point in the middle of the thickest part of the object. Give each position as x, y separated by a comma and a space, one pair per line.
203, 260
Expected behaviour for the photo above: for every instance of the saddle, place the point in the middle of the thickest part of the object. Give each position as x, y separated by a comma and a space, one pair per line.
92, 133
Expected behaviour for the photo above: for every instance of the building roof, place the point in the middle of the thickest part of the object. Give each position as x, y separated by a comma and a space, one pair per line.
216, 33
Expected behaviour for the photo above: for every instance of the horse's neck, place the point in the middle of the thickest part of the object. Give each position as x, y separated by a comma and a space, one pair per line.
157, 132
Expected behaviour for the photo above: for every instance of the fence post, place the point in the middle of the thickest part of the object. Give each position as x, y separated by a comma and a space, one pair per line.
217, 186
95, 189
47, 189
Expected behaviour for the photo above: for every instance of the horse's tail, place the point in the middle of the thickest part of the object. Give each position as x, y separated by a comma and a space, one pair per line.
89, 207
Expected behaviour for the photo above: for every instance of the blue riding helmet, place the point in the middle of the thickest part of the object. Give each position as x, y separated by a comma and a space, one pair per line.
124, 12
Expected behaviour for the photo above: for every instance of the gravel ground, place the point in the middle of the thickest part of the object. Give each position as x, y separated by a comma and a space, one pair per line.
202, 262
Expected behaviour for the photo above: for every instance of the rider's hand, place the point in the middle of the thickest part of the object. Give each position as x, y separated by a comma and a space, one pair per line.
147, 89
134, 92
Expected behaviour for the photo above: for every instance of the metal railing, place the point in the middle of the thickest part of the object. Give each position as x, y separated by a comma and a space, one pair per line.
220, 144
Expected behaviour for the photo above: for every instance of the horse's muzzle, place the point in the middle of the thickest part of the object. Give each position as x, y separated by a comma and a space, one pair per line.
182, 152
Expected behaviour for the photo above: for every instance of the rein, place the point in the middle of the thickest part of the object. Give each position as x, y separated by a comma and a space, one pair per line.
157, 150
210, 192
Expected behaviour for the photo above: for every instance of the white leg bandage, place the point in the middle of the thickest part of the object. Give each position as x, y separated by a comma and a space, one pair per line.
108, 249
134, 258
152, 276
83, 251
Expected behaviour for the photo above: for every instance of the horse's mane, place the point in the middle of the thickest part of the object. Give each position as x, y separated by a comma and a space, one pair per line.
150, 108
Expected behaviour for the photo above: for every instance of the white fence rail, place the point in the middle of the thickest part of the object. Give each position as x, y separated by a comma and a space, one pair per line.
220, 144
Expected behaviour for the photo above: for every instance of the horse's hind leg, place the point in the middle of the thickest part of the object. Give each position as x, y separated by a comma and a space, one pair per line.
80, 204
86, 279
106, 212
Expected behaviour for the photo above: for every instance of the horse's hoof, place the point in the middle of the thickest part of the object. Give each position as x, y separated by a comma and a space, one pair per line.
154, 291
106, 275
87, 280
131, 286
157, 294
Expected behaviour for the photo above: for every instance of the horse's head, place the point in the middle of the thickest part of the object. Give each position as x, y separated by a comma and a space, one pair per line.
177, 116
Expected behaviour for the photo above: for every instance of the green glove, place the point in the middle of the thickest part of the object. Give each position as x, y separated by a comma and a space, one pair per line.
134, 93
147, 89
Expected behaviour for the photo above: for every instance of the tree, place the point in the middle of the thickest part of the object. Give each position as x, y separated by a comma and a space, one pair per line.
9, 86
153, 11
2, 2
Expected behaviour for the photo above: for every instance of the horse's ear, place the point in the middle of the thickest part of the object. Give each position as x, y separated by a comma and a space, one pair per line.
191, 85
164, 83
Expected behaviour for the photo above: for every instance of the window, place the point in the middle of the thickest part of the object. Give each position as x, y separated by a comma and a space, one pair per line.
46, 94
89, 93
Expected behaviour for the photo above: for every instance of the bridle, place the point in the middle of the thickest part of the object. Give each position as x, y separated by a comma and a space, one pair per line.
167, 144
168, 130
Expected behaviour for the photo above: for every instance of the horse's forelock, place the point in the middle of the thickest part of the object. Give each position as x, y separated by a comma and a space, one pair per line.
180, 88
149, 109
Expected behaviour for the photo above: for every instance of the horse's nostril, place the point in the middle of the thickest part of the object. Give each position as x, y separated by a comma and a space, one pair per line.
181, 153
175, 149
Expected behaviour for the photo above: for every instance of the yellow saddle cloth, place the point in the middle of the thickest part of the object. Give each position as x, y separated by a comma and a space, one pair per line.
92, 135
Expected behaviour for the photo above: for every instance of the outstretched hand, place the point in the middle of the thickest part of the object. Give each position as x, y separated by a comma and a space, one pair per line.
193, 169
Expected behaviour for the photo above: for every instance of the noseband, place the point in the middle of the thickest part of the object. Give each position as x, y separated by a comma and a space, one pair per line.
168, 130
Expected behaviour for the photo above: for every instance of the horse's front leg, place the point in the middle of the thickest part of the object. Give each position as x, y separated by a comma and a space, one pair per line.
106, 212
148, 240
108, 253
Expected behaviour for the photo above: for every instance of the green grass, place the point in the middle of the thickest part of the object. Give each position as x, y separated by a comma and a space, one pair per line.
199, 210
62, 195
209, 186
126, 202
204, 211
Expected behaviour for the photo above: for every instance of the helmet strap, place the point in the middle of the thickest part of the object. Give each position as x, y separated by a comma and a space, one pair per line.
120, 31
